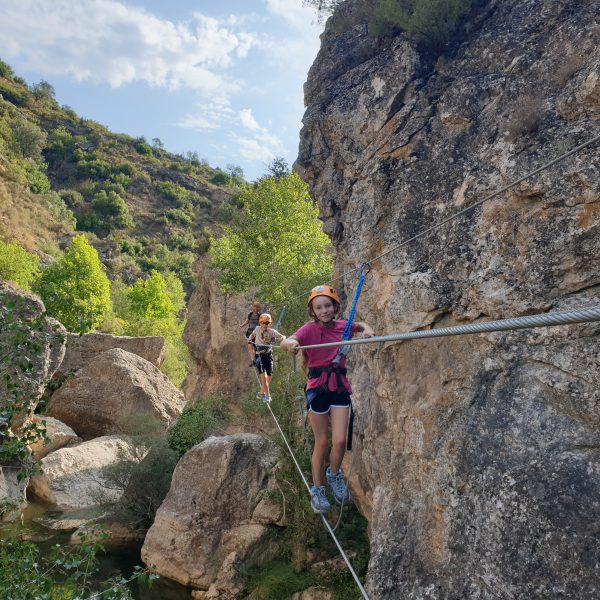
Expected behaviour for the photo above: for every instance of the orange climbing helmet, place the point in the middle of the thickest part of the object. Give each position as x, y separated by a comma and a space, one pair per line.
265, 318
323, 290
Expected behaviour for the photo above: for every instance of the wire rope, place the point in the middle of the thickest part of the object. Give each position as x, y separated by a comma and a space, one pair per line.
582, 315
327, 526
467, 209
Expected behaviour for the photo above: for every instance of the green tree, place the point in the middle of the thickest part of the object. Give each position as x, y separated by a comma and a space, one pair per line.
18, 265
278, 168
44, 91
275, 245
150, 299
75, 288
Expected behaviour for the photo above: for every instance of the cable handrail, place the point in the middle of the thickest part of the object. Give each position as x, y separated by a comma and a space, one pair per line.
582, 315
327, 526
463, 211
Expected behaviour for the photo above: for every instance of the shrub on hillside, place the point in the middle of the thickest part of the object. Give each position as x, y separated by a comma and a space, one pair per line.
142, 147
193, 426
61, 144
31, 174
172, 191
112, 210
178, 216
57, 207
432, 22
5, 70
18, 265
28, 140
44, 92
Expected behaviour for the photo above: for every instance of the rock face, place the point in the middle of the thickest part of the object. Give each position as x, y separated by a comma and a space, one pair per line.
114, 384
216, 341
215, 514
83, 348
476, 459
31, 348
36, 342
12, 492
71, 477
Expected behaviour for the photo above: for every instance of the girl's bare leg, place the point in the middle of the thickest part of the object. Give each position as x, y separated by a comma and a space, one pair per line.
339, 432
320, 427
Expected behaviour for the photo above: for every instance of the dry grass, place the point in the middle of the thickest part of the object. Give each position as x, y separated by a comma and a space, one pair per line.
523, 117
24, 219
570, 65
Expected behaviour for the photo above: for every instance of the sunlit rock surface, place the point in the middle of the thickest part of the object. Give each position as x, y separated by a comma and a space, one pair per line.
111, 386
57, 436
81, 349
476, 458
72, 477
221, 364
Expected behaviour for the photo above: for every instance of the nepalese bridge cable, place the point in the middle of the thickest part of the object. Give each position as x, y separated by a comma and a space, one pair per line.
469, 208
582, 315
327, 526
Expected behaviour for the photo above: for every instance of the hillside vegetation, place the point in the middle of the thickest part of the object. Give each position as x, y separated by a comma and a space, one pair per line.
103, 226
140, 206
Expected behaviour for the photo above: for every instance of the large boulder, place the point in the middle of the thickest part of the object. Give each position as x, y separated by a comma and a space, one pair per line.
112, 385
476, 457
81, 349
57, 436
72, 477
215, 516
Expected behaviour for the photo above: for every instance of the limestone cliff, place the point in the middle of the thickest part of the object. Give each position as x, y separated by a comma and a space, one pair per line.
477, 457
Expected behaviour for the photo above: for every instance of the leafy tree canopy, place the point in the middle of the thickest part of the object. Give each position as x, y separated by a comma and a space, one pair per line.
150, 299
18, 265
75, 289
275, 245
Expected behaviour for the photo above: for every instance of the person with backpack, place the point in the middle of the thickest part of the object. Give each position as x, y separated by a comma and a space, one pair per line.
260, 344
327, 392
252, 320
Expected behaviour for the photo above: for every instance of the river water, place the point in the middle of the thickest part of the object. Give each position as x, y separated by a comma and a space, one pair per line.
37, 526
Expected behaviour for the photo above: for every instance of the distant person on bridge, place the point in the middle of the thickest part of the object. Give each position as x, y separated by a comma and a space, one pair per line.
327, 391
252, 320
260, 345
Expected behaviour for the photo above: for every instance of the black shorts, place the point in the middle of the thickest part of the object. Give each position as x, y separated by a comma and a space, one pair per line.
249, 331
265, 364
322, 401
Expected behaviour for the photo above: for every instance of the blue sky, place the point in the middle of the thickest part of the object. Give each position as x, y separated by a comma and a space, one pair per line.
221, 78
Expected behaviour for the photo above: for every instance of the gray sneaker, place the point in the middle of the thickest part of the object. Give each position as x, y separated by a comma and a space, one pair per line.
260, 395
266, 398
338, 485
318, 500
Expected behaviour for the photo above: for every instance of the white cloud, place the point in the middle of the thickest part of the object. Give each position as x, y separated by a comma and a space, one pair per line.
260, 146
247, 119
208, 116
106, 41
297, 15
